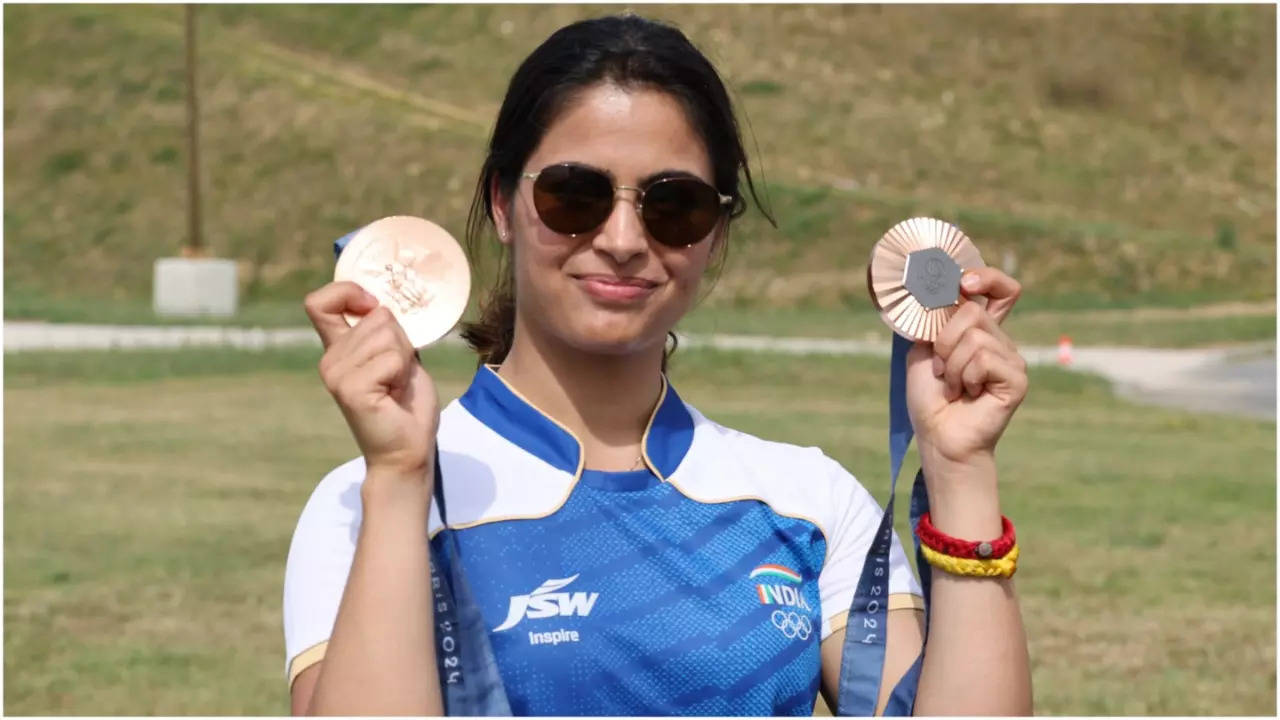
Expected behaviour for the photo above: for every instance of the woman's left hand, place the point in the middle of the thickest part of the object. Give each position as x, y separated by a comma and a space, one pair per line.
964, 387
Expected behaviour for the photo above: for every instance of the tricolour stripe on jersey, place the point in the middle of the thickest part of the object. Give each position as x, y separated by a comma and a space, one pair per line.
779, 571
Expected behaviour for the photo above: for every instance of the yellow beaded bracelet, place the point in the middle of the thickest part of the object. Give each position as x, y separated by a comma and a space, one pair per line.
993, 567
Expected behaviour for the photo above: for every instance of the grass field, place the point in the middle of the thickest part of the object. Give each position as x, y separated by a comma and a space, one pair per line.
1118, 154
150, 497
1196, 326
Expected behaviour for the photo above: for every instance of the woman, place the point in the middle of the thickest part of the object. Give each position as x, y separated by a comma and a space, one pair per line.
628, 555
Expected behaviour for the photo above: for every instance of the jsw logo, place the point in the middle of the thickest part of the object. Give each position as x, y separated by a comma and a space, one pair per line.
546, 602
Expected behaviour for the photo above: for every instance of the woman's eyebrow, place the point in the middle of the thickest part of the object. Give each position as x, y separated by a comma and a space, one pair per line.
666, 174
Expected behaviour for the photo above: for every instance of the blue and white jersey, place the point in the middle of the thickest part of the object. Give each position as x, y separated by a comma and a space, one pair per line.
700, 585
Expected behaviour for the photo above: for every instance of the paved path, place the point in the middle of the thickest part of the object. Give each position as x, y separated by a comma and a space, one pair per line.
1238, 380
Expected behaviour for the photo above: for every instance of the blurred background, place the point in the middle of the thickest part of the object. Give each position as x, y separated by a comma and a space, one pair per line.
1120, 161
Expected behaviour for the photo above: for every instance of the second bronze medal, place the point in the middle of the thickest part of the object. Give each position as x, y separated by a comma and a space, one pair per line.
914, 275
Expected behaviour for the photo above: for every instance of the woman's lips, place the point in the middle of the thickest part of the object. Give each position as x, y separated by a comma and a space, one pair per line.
615, 289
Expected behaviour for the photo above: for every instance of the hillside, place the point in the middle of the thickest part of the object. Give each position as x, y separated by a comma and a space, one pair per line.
1122, 155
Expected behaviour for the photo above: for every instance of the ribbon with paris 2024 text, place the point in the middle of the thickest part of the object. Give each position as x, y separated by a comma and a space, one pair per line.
866, 633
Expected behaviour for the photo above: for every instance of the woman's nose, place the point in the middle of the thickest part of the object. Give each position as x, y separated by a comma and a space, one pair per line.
623, 235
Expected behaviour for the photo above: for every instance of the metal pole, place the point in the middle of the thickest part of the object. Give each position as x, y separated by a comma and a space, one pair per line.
194, 241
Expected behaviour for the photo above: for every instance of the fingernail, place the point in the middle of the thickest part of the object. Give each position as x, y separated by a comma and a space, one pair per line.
939, 367
370, 298
970, 281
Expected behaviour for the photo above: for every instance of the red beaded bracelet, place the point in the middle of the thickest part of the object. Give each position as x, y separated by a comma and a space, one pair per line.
955, 547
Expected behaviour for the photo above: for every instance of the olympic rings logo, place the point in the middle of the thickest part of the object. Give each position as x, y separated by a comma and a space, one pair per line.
792, 624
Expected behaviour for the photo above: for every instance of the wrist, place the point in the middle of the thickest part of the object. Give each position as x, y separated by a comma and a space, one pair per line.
397, 487
964, 498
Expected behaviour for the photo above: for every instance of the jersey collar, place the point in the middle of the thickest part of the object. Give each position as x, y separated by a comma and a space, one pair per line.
492, 401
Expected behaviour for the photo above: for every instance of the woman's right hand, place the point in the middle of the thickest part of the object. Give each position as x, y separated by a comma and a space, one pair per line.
373, 373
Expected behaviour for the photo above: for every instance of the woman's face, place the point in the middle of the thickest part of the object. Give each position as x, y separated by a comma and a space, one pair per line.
614, 289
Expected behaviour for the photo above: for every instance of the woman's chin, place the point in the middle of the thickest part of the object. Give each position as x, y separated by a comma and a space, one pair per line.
616, 336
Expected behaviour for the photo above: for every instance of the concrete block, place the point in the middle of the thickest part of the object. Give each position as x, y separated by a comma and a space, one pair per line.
194, 286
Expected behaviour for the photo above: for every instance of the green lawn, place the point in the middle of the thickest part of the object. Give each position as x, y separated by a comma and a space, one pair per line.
1140, 326
150, 497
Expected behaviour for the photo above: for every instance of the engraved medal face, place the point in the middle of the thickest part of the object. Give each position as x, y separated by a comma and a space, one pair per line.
415, 268
914, 275
933, 278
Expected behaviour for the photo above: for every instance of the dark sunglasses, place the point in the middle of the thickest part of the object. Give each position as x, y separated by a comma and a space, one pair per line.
677, 211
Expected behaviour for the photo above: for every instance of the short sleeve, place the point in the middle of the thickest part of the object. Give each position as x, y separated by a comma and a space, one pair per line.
320, 556
856, 516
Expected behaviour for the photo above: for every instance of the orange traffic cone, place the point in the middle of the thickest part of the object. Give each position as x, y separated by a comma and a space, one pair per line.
1064, 350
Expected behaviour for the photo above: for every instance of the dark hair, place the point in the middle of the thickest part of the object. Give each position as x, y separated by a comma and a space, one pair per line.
628, 51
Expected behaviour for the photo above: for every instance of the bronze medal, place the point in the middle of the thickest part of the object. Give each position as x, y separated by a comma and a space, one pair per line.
914, 275
415, 268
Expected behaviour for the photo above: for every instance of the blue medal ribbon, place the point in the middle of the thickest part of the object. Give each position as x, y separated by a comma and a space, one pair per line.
341, 243
862, 658
469, 680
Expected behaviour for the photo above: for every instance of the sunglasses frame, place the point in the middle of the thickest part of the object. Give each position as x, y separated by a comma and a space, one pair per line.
725, 200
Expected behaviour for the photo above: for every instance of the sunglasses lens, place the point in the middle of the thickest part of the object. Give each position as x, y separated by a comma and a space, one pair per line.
572, 200
680, 211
